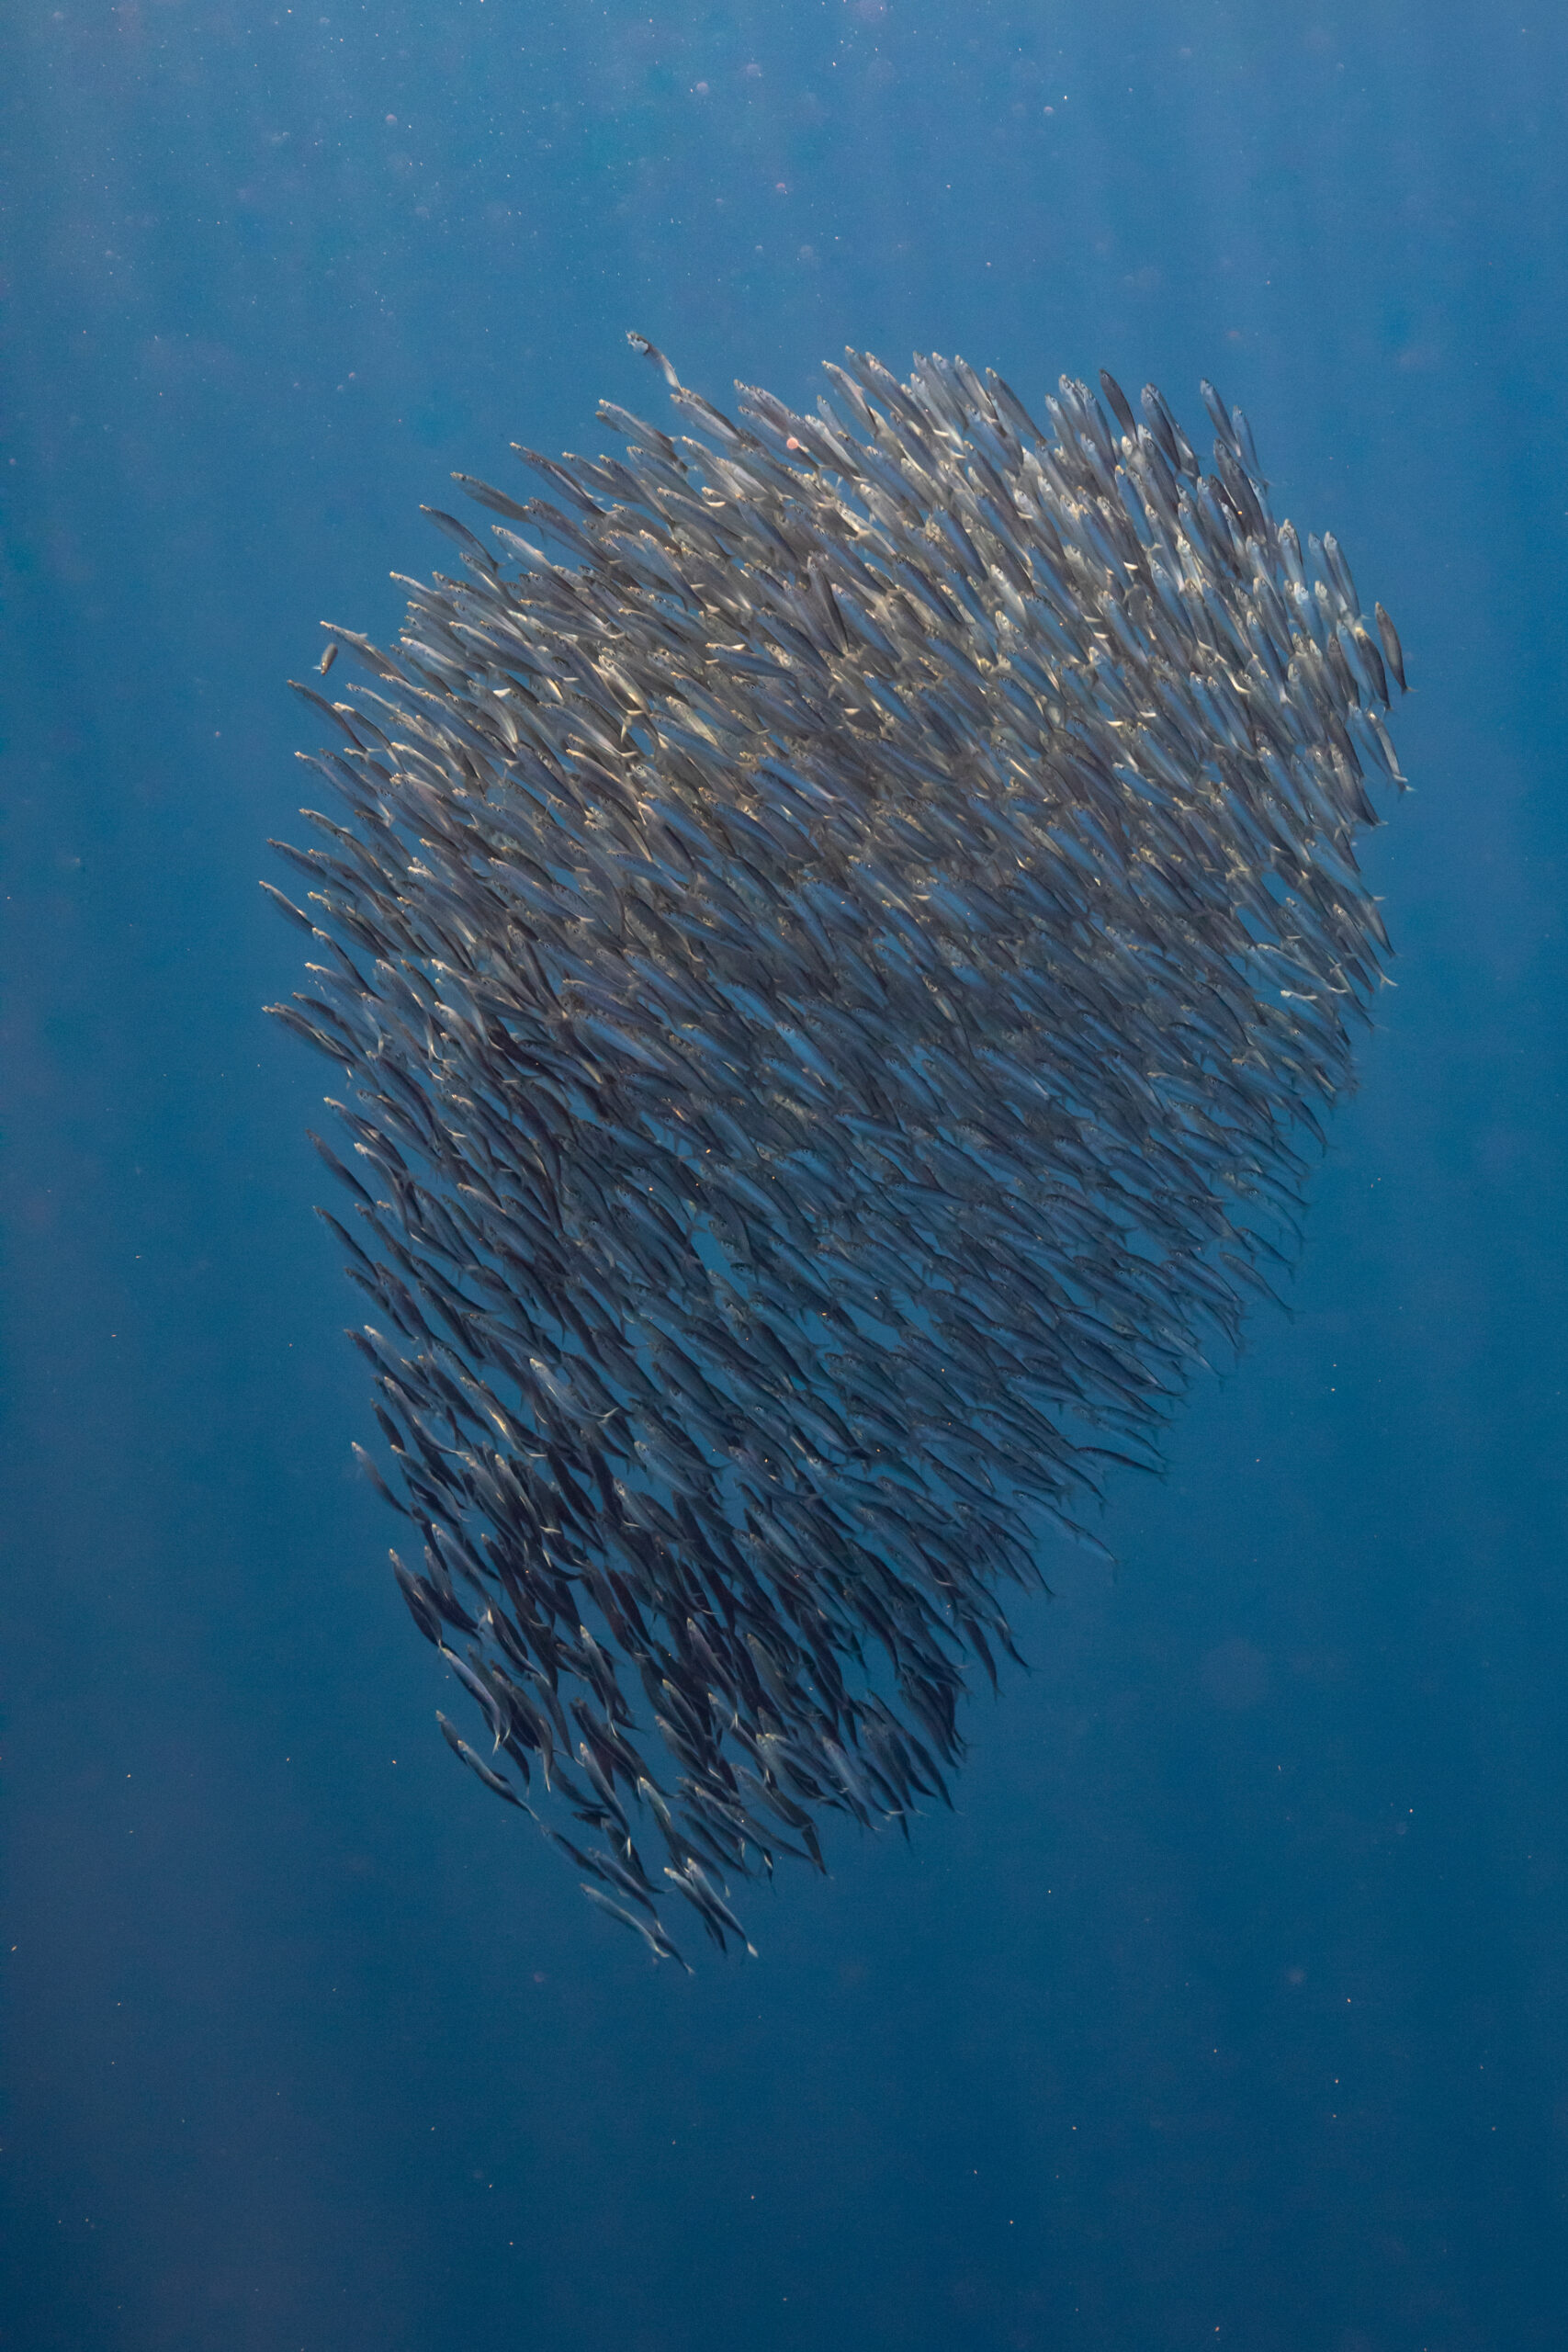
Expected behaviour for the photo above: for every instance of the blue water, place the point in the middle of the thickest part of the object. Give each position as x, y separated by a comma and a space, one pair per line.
1228, 2009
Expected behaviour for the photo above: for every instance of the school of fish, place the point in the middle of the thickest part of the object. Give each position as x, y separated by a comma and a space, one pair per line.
837, 970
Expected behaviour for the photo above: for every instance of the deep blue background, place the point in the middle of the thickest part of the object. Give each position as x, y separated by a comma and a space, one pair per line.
1229, 2009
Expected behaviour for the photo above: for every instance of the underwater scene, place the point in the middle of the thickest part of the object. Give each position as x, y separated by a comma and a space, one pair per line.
784, 1071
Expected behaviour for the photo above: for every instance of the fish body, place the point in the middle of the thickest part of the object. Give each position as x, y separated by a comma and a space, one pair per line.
493, 1780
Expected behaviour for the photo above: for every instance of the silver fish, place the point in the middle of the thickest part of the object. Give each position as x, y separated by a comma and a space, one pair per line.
842, 962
